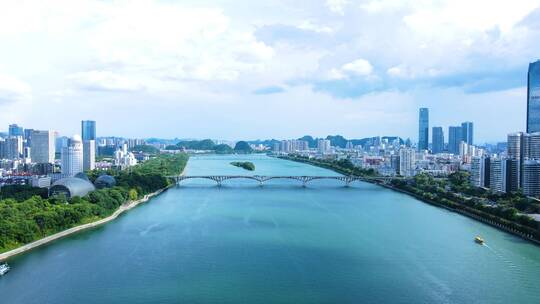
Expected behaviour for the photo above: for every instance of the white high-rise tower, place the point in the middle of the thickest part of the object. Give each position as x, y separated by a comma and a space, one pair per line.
72, 156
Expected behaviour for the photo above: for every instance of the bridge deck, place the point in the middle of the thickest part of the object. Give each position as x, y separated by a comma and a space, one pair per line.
263, 178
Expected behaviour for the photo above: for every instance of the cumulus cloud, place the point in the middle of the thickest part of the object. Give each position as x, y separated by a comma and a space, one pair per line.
337, 6
357, 68
228, 52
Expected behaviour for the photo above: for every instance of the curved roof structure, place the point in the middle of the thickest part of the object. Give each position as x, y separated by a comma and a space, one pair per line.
82, 175
72, 186
105, 181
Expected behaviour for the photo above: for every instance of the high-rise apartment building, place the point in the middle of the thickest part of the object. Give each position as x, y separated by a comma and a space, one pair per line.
72, 157
43, 146
454, 139
467, 132
511, 175
323, 145
480, 171
531, 178
407, 162
533, 98
437, 140
423, 129
518, 149
497, 175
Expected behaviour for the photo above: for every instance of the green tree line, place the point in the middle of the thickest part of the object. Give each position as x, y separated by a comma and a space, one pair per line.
26, 214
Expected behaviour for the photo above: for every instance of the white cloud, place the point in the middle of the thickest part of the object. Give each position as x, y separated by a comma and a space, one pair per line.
199, 53
310, 26
357, 68
337, 6
172, 41
406, 72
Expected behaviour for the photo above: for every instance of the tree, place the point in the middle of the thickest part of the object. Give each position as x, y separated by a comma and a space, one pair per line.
223, 149
145, 149
133, 194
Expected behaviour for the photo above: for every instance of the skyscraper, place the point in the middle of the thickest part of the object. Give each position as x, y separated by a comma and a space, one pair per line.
14, 147
533, 98
511, 175
531, 178
467, 132
89, 155
517, 149
28, 137
15, 130
454, 138
534, 146
423, 129
42, 149
480, 171
72, 157
88, 130
497, 175
437, 140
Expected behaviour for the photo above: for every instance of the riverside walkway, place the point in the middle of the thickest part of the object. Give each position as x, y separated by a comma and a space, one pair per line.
261, 179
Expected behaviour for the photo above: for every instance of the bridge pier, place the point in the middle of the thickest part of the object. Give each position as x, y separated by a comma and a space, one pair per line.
347, 180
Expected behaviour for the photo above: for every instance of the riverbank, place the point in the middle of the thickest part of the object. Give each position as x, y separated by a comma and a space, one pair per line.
492, 223
51, 238
28, 218
518, 230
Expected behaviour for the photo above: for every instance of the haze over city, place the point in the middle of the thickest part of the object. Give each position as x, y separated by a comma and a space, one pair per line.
272, 69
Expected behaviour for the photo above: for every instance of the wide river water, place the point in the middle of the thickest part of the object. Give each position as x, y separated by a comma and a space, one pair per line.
279, 243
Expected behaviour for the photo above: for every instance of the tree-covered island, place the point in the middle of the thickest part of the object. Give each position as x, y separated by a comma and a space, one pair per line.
246, 165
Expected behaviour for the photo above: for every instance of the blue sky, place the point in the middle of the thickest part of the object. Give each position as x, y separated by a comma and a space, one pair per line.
266, 69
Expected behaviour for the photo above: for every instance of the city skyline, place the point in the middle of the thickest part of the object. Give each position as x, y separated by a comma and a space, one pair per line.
279, 151
205, 69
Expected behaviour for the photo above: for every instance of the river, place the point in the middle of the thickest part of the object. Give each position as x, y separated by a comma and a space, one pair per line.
279, 243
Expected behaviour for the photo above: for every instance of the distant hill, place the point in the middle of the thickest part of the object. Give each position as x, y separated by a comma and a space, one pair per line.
242, 147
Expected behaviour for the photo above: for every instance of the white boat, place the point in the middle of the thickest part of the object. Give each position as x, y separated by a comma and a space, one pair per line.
4, 268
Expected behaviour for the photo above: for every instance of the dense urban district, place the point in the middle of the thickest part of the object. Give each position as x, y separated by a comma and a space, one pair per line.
50, 182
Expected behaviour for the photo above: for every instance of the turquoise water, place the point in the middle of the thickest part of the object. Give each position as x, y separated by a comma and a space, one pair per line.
279, 244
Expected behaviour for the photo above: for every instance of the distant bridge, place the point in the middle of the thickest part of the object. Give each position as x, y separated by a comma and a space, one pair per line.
261, 179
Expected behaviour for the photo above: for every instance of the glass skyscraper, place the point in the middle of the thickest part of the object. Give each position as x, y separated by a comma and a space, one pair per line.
423, 129
454, 139
437, 140
533, 98
15, 130
467, 132
88, 130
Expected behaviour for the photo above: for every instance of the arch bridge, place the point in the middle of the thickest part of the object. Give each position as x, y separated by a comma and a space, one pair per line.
261, 179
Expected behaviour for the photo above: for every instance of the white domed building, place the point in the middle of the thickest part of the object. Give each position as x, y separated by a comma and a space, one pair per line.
72, 157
